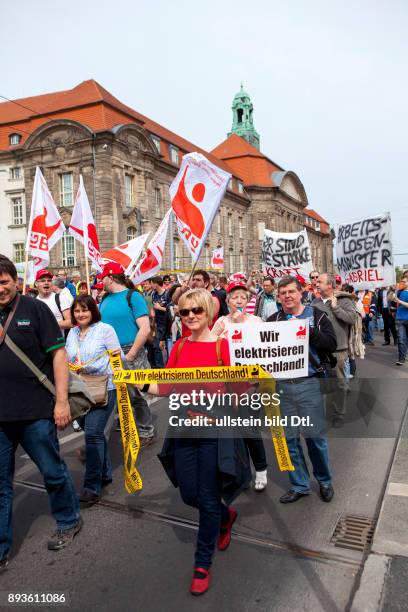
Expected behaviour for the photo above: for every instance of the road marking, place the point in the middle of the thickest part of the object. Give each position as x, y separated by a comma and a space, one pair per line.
398, 488
62, 441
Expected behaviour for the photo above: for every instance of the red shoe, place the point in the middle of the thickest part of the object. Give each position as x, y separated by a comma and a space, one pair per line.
224, 538
201, 581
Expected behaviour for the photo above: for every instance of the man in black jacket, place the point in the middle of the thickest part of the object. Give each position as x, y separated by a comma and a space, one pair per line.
302, 396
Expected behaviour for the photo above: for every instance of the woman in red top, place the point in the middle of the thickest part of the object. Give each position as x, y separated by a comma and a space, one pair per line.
197, 467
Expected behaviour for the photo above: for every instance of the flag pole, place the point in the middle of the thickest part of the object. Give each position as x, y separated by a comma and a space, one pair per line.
87, 271
25, 272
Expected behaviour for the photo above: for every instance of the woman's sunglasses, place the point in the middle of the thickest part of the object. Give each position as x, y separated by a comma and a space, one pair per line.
197, 310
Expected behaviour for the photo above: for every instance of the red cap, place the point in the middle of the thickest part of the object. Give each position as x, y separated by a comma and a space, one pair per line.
98, 286
301, 280
338, 278
43, 272
111, 268
236, 284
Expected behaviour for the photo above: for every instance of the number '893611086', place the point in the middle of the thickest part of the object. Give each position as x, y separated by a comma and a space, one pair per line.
39, 598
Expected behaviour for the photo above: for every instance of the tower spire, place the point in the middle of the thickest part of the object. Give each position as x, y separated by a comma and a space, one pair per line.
242, 118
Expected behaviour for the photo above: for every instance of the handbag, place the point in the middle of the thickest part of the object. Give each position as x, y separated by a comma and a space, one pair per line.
97, 385
79, 398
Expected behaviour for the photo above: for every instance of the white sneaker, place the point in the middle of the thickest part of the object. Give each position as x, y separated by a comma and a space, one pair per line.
261, 480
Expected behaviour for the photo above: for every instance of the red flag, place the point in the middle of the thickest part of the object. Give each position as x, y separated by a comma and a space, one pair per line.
83, 228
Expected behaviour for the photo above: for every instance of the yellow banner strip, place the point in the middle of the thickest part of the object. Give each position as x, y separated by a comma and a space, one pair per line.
130, 436
219, 374
186, 375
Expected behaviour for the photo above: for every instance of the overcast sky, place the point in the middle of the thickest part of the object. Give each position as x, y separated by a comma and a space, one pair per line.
328, 81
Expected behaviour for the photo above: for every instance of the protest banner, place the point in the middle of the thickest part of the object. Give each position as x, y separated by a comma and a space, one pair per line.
364, 252
45, 227
151, 261
126, 254
82, 228
196, 194
280, 348
217, 258
286, 253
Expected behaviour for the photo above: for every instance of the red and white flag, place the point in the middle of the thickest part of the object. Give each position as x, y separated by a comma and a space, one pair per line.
217, 258
126, 254
46, 226
151, 261
196, 194
83, 228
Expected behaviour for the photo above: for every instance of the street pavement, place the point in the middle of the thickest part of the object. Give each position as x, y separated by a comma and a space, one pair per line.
136, 552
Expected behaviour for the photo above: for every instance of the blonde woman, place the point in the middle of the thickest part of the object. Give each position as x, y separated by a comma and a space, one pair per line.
204, 468
237, 300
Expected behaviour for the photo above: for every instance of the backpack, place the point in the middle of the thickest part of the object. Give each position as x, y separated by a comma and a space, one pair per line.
58, 303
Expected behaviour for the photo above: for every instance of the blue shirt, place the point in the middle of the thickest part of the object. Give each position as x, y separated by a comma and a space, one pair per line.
402, 311
115, 310
71, 288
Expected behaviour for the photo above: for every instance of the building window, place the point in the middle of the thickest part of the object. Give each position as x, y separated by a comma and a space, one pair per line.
68, 251
219, 222
18, 252
177, 254
207, 261
261, 230
67, 189
15, 173
156, 142
241, 262
231, 261
128, 191
157, 202
174, 154
240, 228
229, 224
17, 215
130, 233
240, 187
230, 184
15, 139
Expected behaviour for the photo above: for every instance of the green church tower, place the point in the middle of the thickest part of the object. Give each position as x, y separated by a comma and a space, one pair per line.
242, 118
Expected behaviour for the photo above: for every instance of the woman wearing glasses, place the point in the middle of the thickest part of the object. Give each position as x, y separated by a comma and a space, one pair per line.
205, 468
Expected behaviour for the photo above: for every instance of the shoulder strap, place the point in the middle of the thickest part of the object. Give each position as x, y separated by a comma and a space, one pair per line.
3, 330
218, 351
180, 348
27, 361
58, 302
129, 298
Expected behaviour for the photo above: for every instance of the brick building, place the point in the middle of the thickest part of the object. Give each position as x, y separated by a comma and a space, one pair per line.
128, 162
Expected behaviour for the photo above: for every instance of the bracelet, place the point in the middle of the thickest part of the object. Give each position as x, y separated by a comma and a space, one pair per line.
145, 387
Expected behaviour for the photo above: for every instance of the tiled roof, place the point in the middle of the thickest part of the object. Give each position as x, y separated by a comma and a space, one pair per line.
252, 165
324, 225
92, 105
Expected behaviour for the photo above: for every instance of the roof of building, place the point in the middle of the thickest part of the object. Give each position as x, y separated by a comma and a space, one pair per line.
324, 225
246, 161
92, 105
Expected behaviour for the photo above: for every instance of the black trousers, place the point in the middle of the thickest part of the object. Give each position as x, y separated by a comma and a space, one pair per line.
389, 325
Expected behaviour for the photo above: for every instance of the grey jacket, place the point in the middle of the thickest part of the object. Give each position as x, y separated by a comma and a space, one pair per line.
342, 317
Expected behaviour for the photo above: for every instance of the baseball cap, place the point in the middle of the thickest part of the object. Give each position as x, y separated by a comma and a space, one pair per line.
43, 272
338, 278
111, 268
236, 284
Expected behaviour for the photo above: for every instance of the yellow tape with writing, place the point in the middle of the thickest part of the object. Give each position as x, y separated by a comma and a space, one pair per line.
186, 375
130, 436
219, 374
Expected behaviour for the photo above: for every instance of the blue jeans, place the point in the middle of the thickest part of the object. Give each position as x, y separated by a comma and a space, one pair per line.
39, 440
305, 399
402, 332
196, 463
98, 463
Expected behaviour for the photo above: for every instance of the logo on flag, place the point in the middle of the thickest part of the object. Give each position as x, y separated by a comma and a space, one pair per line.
83, 228
196, 194
152, 258
126, 254
217, 258
46, 226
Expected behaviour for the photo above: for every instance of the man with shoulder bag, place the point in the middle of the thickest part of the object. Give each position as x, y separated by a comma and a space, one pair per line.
29, 414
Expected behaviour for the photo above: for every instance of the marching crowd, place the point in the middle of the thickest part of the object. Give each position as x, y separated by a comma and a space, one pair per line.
172, 322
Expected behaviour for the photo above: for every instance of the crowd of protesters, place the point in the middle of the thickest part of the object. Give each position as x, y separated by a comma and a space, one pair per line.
175, 322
